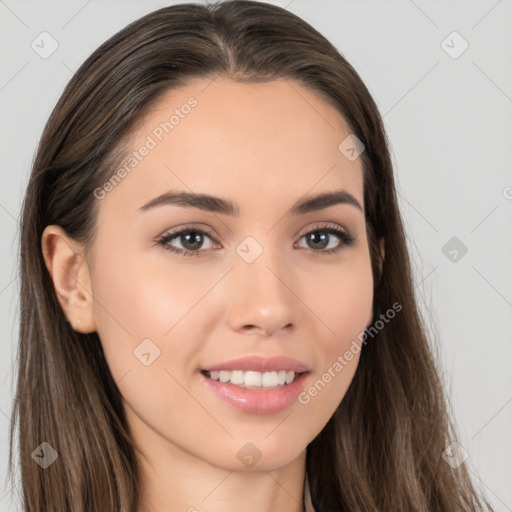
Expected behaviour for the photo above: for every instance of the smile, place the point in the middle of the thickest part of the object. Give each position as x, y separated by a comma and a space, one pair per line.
254, 379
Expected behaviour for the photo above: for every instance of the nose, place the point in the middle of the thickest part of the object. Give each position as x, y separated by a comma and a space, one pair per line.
261, 297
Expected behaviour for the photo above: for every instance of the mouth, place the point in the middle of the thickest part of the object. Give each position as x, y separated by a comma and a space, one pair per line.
257, 384
256, 392
254, 379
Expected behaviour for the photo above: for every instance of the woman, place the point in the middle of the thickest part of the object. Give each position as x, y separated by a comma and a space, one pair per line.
282, 364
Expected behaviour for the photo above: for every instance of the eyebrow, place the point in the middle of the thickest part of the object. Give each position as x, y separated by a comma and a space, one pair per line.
226, 207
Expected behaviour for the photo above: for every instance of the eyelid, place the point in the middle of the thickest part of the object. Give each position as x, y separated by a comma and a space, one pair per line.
175, 232
210, 232
322, 225
188, 227
344, 236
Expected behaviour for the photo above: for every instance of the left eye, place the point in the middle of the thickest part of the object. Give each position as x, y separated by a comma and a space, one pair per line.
322, 237
192, 239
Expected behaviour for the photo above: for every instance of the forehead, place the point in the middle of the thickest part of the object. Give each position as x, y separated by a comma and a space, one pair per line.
264, 141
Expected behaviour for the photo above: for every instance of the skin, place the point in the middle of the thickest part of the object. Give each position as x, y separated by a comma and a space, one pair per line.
262, 146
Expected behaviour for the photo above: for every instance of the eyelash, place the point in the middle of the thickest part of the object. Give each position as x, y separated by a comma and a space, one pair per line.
346, 240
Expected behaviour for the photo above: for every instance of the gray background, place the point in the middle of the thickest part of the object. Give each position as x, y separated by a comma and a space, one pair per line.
449, 121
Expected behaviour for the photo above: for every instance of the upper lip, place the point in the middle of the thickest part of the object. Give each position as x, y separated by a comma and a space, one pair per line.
261, 364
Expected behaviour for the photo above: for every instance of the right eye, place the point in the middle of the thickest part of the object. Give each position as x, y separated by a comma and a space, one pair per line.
188, 236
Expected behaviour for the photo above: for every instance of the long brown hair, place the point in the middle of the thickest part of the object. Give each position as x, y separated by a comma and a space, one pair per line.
382, 448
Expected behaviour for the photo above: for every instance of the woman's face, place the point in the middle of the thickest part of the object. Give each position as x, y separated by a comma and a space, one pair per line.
266, 280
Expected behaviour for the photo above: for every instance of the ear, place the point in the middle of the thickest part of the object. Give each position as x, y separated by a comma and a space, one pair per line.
69, 271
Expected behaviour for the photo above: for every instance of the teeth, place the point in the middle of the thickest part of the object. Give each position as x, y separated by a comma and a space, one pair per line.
254, 379
236, 377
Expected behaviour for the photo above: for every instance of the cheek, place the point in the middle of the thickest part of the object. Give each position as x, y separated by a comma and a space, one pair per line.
341, 297
149, 323
136, 301
343, 306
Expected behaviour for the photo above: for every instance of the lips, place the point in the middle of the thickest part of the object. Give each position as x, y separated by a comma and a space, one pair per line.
256, 401
260, 364
262, 390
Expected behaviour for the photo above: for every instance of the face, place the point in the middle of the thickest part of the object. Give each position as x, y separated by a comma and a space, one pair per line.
182, 286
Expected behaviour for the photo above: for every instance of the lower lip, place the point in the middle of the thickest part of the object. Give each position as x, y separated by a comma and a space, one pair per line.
264, 401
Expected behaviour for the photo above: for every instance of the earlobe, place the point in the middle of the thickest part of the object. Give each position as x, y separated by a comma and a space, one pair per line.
69, 273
